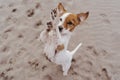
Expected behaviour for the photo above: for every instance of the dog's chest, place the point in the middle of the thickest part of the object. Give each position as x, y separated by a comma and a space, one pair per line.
51, 43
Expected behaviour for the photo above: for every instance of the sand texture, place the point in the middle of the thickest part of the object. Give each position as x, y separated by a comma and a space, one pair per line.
21, 54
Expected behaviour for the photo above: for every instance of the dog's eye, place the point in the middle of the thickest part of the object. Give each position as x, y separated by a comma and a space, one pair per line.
60, 19
70, 23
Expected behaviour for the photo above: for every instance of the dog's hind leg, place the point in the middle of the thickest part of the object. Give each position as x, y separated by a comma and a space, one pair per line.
65, 68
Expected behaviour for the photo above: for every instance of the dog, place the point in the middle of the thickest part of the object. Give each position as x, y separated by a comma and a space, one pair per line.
57, 39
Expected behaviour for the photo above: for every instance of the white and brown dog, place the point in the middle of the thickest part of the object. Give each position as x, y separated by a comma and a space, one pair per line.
56, 39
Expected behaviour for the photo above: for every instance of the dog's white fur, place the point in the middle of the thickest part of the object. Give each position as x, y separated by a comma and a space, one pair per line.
50, 41
54, 38
64, 57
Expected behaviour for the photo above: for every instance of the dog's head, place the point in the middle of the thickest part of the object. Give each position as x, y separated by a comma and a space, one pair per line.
68, 21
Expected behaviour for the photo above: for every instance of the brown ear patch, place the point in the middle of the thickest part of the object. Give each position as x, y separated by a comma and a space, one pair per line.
83, 16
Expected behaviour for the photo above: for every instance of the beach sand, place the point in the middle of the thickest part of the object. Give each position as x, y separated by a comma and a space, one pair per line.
21, 54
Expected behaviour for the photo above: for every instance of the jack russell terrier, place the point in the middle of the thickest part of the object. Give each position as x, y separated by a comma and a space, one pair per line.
57, 35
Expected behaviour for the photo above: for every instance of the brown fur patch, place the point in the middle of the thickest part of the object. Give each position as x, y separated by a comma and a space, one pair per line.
59, 48
83, 16
71, 22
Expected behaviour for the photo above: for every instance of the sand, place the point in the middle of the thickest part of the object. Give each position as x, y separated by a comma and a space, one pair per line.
21, 54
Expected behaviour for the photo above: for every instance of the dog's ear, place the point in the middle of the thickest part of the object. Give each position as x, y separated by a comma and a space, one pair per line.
61, 8
83, 16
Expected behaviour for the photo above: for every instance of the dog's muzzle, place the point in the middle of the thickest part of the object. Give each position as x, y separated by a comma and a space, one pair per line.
60, 28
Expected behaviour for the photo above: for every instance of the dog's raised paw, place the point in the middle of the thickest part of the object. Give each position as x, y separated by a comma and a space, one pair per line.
49, 25
54, 14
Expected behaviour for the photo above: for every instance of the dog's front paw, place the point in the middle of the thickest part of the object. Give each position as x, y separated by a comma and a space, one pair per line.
54, 14
49, 26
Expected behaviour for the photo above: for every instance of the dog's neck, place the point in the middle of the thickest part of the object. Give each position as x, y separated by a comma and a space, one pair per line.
65, 39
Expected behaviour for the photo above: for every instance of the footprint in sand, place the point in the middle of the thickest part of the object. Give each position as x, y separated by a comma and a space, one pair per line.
4, 49
72, 71
20, 36
94, 51
4, 74
44, 67
12, 61
9, 29
37, 24
105, 75
37, 5
47, 77
103, 15
14, 10
11, 5
4, 36
30, 12
1, 7
21, 51
34, 64
5, 32
97, 53
9, 69
104, 52
73, 60
105, 19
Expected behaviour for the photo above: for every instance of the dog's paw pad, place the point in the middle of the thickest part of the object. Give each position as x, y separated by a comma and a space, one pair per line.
54, 14
49, 25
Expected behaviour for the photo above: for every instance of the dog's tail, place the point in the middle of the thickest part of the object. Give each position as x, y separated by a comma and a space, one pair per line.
74, 51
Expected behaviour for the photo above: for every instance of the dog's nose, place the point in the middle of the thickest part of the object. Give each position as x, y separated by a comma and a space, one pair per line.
60, 28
